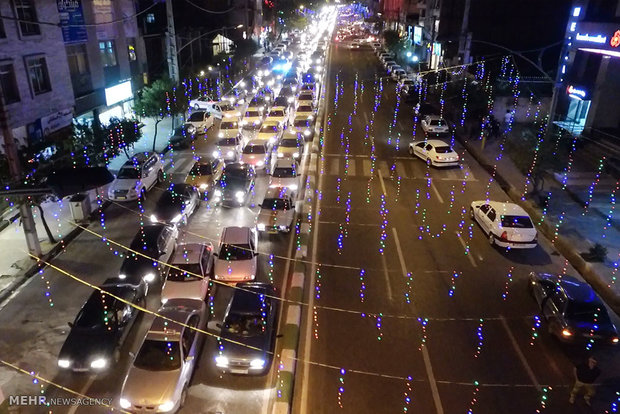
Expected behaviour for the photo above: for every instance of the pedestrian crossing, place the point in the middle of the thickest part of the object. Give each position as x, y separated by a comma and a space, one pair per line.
405, 168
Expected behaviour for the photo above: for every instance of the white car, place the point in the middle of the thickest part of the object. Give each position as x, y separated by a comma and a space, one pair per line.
276, 211
278, 114
226, 110
199, 122
285, 173
435, 152
229, 149
434, 124
235, 260
270, 131
256, 153
290, 146
305, 110
228, 128
188, 275
160, 373
398, 73
136, 177
202, 103
252, 119
506, 224
303, 126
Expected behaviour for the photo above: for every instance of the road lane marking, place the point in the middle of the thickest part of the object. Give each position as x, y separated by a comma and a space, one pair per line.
436, 191
350, 168
425, 356
387, 279
367, 167
467, 251
365, 117
520, 354
383, 167
334, 167
382, 183
401, 171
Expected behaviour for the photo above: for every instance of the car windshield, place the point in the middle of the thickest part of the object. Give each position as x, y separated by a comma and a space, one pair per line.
252, 114
229, 125
289, 143
245, 324
201, 169
283, 172
280, 101
186, 272
443, 150
269, 128
304, 108
254, 149
196, 117
586, 311
275, 204
235, 252
276, 113
159, 356
259, 100
129, 173
522, 222
437, 122
96, 313
300, 123
227, 142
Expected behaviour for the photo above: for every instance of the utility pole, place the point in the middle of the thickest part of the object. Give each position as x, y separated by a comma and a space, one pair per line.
171, 45
10, 150
247, 18
465, 38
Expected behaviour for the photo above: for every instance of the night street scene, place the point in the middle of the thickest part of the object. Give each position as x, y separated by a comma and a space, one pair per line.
295, 207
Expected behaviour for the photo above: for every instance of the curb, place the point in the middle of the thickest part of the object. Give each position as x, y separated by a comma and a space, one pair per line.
55, 251
561, 243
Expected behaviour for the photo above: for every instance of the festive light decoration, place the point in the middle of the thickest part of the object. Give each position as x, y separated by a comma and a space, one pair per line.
480, 339
341, 386
407, 394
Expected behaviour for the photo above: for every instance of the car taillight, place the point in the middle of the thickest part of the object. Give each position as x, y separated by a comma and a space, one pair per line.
504, 236
436, 157
566, 332
614, 340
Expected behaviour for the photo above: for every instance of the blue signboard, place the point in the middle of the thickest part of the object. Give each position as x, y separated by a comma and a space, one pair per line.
72, 21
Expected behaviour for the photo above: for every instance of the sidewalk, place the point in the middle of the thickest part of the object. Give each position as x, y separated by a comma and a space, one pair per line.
580, 212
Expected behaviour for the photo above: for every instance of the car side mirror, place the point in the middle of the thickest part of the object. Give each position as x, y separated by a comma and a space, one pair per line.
219, 325
279, 335
70, 324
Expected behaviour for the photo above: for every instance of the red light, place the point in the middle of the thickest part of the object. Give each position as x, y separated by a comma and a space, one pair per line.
505, 236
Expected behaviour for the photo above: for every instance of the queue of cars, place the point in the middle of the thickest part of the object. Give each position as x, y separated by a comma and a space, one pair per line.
259, 130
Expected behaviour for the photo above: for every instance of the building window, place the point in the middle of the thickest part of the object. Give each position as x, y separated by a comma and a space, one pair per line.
78, 67
27, 15
108, 53
38, 74
150, 18
2, 32
8, 83
131, 49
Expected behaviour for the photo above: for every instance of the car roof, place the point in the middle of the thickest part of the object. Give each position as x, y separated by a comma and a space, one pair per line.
138, 158
579, 291
505, 208
236, 166
149, 233
188, 253
163, 329
436, 143
179, 187
235, 235
284, 163
278, 192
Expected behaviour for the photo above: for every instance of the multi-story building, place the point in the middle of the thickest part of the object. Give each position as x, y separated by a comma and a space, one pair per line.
34, 77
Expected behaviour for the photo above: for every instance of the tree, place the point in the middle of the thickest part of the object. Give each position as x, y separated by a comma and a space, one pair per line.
101, 144
158, 101
391, 39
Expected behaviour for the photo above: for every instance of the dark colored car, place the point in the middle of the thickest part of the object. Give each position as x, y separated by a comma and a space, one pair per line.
181, 137
176, 204
573, 311
156, 242
236, 184
101, 327
249, 323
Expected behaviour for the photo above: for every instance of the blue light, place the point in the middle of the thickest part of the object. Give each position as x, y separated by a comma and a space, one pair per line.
576, 11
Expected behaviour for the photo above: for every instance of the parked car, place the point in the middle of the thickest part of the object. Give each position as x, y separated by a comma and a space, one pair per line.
435, 152
235, 260
249, 330
256, 153
434, 124
290, 146
276, 211
136, 177
159, 375
506, 224
188, 275
572, 309
181, 137
148, 252
285, 173
204, 175
229, 149
199, 122
236, 184
101, 326
176, 204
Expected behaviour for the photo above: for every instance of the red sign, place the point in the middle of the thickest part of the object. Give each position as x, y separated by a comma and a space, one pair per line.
615, 40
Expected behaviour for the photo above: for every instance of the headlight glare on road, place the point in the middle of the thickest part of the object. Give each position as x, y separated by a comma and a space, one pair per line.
124, 403
215, 154
153, 218
221, 361
167, 406
230, 153
149, 277
257, 363
64, 363
99, 363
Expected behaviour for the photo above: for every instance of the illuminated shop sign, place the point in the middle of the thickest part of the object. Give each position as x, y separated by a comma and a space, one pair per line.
587, 37
576, 92
118, 93
615, 40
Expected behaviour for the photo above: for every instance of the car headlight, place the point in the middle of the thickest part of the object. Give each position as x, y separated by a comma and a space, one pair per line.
230, 153
167, 406
64, 363
307, 132
217, 193
257, 363
164, 300
293, 88
122, 276
567, 333
260, 226
176, 218
256, 122
295, 154
215, 154
221, 361
124, 403
149, 277
272, 140
280, 155
260, 163
220, 135
290, 99
293, 187
99, 363
203, 186
239, 195
243, 122
283, 228
191, 129
153, 218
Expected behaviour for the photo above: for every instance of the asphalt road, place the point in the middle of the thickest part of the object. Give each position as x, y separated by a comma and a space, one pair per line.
440, 322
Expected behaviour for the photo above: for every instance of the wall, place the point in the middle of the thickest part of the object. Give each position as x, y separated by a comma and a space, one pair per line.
521, 111
604, 109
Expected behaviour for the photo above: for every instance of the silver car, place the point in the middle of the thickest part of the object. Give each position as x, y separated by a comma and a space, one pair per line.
276, 211
159, 375
236, 257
